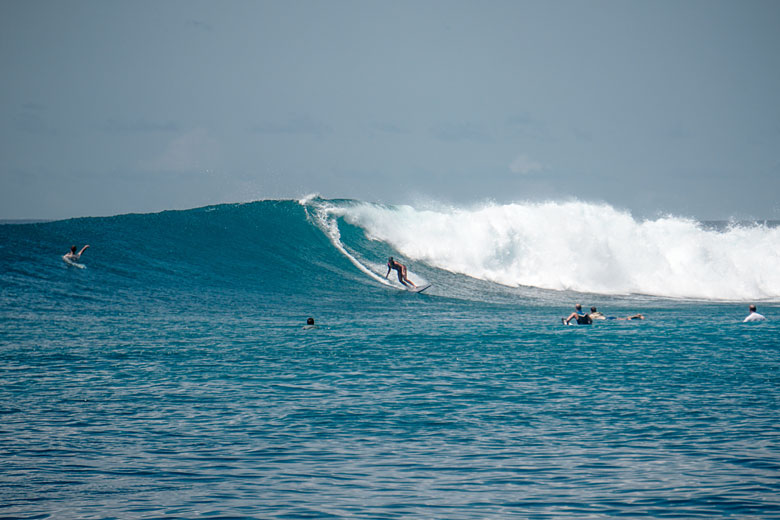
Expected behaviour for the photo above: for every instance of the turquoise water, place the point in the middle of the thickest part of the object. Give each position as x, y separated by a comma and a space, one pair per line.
172, 377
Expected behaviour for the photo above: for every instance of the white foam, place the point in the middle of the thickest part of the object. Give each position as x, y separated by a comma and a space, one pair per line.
582, 247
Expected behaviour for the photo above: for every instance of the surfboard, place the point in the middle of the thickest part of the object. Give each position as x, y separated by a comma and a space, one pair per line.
74, 264
419, 288
572, 323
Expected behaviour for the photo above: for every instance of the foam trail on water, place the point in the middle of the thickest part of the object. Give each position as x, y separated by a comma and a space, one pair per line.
322, 219
582, 247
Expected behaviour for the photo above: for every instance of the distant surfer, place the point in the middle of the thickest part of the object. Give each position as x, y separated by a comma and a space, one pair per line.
401, 268
581, 317
309, 324
72, 256
753, 316
594, 314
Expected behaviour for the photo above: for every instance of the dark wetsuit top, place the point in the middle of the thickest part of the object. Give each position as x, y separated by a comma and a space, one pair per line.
583, 319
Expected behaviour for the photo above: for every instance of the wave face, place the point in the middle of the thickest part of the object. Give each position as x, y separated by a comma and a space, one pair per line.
295, 247
577, 246
263, 252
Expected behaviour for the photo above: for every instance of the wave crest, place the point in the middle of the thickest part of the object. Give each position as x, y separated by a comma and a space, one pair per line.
582, 247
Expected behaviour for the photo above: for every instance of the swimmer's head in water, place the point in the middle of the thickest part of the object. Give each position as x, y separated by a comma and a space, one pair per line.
310, 321
72, 249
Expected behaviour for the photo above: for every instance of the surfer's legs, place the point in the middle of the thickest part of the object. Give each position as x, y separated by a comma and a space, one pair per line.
407, 282
404, 279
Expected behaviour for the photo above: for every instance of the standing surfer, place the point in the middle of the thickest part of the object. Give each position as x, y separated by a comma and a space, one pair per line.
401, 268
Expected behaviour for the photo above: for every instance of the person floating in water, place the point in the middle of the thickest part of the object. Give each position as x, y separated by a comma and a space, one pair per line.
753, 316
594, 314
401, 268
73, 256
581, 317
309, 324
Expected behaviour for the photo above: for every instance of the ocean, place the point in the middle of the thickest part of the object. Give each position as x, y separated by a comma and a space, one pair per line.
173, 376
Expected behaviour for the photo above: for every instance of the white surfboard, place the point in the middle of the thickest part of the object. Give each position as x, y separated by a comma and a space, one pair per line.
74, 264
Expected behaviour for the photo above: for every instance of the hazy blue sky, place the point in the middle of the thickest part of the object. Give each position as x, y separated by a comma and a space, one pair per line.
109, 107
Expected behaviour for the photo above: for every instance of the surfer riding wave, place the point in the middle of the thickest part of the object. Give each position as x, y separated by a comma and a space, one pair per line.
401, 269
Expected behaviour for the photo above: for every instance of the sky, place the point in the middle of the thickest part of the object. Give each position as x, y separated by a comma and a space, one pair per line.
655, 107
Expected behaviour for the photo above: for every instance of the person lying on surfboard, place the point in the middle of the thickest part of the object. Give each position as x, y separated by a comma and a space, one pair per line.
594, 314
401, 268
73, 256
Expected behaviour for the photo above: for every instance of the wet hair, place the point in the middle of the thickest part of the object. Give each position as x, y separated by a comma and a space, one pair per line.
578, 306
593, 309
310, 321
72, 249
752, 308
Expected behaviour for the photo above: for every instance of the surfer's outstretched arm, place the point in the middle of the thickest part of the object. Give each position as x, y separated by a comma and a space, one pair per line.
83, 249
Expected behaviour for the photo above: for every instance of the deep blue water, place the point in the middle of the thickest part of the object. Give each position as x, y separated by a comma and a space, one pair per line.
172, 378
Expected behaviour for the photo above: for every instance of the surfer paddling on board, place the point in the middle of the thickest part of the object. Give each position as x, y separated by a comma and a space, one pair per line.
401, 268
73, 256
594, 314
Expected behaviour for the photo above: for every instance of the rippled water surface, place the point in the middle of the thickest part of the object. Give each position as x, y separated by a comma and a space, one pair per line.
397, 407
154, 384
